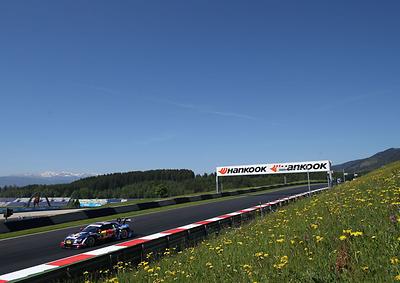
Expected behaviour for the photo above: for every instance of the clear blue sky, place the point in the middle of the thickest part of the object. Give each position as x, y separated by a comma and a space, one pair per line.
109, 86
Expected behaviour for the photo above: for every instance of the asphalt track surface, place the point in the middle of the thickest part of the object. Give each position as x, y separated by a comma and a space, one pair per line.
30, 250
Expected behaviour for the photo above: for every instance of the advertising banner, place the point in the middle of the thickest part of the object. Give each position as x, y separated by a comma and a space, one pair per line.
275, 168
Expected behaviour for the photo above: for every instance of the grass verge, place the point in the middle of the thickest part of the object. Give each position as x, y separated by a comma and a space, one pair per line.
348, 234
128, 214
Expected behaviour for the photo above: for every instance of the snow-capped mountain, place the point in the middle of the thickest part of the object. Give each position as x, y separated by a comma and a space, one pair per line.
44, 178
51, 174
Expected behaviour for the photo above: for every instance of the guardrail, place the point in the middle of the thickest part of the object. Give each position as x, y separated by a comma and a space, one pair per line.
136, 250
18, 225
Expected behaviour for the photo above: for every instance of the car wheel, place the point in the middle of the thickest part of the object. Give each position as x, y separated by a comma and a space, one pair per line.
90, 242
124, 234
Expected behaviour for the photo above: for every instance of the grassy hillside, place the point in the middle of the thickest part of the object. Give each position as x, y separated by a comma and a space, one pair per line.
371, 163
348, 234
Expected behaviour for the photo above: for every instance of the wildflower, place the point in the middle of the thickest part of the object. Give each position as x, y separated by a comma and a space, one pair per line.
280, 240
209, 265
397, 278
282, 262
314, 226
342, 238
365, 268
319, 238
394, 260
227, 242
348, 231
246, 267
356, 234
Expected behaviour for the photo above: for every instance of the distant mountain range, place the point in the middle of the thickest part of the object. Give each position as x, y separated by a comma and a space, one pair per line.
45, 178
371, 163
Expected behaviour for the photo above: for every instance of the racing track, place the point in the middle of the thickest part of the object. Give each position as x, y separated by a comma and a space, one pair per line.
27, 251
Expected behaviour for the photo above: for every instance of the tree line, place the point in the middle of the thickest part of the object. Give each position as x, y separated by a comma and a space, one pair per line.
149, 184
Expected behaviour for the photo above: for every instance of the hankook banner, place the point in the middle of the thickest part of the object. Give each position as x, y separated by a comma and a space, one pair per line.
275, 168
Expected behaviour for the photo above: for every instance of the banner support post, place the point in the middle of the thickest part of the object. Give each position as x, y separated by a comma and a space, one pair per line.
309, 187
216, 182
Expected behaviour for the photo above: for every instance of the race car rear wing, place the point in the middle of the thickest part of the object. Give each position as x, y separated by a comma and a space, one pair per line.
123, 220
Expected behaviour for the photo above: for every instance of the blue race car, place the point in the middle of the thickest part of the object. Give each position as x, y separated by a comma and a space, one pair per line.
99, 232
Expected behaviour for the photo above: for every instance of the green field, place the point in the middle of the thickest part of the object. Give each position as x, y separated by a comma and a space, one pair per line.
348, 234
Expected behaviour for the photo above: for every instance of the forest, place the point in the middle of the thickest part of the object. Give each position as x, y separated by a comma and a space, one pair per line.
150, 184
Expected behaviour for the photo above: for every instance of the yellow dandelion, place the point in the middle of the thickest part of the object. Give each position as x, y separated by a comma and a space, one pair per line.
394, 260
342, 238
